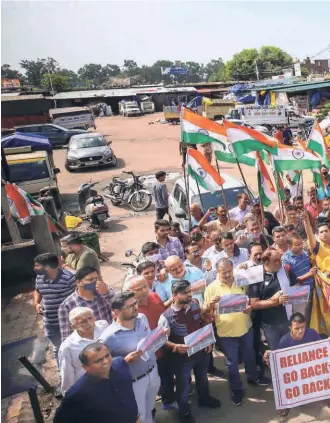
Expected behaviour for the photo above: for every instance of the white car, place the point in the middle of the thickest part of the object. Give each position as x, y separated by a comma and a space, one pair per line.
178, 205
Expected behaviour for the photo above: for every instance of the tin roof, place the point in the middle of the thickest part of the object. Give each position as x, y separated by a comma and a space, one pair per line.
21, 97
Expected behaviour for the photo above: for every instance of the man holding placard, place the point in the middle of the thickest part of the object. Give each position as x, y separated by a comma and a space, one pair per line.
234, 330
183, 318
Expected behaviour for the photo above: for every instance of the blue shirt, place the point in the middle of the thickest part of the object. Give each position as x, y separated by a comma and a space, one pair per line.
193, 274
122, 341
299, 265
287, 341
92, 399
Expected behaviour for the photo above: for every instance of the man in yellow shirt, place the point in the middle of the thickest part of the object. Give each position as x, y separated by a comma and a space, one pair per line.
234, 332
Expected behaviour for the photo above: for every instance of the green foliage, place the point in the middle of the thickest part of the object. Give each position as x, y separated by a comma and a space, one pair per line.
59, 82
9, 73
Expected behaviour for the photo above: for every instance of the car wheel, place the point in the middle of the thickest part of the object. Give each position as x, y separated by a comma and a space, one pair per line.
66, 165
114, 164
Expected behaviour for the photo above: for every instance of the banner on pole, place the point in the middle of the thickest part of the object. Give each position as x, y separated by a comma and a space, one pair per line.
301, 374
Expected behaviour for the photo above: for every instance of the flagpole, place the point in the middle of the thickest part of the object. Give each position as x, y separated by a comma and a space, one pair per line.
223, 193
298, 183
186, 180
244, 181
279, 199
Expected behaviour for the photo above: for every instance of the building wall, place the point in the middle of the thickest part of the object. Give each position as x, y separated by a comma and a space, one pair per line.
319, 66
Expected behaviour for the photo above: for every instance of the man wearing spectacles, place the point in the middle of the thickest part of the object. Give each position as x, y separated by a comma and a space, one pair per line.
122, 338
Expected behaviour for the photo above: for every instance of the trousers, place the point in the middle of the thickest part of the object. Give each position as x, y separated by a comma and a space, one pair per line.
182, 367
274, 333
160, 213
231, 347
145, 391
54, 337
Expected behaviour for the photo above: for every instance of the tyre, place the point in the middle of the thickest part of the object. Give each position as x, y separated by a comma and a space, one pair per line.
66, 165
116, 202
140, 201
114, 164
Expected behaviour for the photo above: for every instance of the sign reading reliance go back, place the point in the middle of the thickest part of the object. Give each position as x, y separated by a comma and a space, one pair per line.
301, 374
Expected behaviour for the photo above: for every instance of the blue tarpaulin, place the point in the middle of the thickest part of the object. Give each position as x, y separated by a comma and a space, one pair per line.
36, 142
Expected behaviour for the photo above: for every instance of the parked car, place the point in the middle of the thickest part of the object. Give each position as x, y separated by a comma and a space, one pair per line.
87, 150
178, 204
57, 135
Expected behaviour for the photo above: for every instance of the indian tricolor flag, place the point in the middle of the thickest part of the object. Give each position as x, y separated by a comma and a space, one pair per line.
244, 140
202, 171
196, 129
267, 192
316, 143
289, 158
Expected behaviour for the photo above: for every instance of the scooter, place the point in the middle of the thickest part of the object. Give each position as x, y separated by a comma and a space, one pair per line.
93, 206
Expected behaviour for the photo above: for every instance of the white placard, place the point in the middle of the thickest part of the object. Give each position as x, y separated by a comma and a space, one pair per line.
301, 374
249, 276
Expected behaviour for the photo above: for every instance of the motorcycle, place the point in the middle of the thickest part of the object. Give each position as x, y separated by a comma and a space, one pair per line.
121, 191
130, 267
92, 205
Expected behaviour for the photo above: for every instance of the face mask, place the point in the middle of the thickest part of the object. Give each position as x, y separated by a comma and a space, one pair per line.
197, 237
154, 258
40, 272
90, 287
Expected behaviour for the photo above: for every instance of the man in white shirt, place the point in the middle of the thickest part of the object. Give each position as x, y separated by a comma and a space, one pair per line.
86, 331
294, 187
243, 207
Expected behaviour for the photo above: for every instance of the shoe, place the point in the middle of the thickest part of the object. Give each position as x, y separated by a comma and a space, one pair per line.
237, 398
261, 381
171, 406
210, 402
187, 418
217, 373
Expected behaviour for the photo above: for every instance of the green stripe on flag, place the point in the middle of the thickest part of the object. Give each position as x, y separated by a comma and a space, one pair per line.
284, 165
196, 138
265, 201
248, 145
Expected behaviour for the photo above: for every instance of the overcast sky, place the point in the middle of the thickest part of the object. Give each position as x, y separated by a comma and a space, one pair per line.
76, 33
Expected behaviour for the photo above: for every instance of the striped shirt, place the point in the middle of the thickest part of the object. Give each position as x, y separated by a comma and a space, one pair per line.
299, 265
100, 304
173, 247
53, 293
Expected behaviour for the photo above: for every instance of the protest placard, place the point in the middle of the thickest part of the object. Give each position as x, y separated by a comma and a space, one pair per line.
199, 339
298, 294
301, 374
253, 274
233, 303
152, 342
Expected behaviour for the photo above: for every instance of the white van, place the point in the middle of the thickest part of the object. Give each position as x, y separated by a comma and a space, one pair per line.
73, 117
178, 205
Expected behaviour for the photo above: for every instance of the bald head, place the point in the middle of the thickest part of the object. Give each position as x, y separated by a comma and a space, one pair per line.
139, 286
175, 266
195, 210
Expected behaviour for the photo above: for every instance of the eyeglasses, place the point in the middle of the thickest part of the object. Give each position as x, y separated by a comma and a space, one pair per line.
131, 306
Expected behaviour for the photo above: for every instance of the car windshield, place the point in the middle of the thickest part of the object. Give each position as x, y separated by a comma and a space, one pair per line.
21, 171
214, 200
88, 142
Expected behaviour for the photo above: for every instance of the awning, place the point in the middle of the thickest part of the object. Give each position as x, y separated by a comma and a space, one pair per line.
302, 87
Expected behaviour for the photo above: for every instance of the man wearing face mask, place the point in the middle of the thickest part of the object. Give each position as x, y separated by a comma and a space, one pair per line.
91, 293
53, 286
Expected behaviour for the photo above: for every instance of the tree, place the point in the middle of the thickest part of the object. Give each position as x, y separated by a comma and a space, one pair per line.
213, 67
34, 69
59, 82
92, 72
269, 60
8, 73
72, 77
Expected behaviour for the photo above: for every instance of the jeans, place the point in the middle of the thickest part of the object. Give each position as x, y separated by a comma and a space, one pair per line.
274, 333
182, 367
231, 348
166, 379
54, 337
160, 213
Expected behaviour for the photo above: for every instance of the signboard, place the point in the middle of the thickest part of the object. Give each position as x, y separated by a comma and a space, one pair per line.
301, 374
199, 339
297, 69
10, 83
174, 71
297, 294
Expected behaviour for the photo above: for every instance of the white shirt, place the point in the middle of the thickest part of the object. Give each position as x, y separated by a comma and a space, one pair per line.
236, 260
70, 365
237, 214
294, 191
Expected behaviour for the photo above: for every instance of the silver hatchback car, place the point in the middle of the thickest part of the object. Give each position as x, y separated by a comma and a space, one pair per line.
87, 150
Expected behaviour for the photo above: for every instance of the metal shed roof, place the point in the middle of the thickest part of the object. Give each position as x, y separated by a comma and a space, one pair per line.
125, 92
302, 87
22, 97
